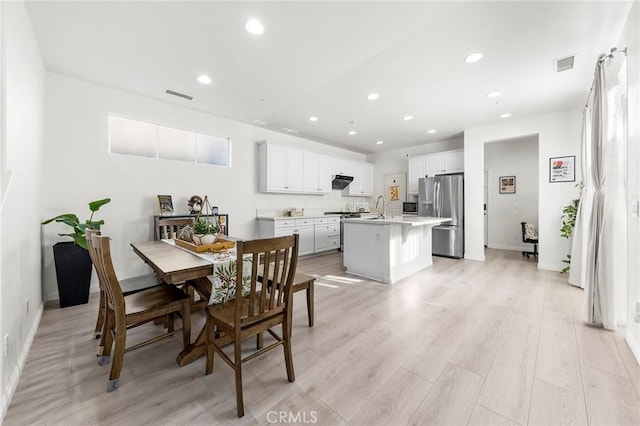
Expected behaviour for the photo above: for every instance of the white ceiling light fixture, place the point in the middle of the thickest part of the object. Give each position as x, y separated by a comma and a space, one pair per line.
407, 117
254, 27
379, 143
432, 131
313, 118
506, 115
204, 79
474, 57
352, 132
494, 94
373, 96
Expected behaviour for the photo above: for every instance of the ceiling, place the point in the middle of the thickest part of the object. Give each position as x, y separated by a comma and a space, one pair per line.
322, 59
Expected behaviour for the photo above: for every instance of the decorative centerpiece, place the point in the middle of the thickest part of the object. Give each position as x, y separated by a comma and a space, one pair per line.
205, 230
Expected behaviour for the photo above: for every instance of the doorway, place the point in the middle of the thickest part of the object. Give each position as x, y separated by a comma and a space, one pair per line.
511, 192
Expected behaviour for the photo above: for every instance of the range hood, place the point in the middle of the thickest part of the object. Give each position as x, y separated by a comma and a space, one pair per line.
341, 181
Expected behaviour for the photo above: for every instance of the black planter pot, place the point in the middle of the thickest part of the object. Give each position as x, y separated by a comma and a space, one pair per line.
73, 271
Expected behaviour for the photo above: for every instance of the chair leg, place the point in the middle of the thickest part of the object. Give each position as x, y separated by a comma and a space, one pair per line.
118, 356
100, 321
288, 358
237, 352
169, 322
106, 340
259, 340
209, 345
310, 303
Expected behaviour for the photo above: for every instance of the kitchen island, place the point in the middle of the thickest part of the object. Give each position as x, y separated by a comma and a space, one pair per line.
389, 249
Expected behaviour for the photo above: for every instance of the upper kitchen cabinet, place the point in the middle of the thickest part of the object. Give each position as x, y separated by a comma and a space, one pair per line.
281, 169
433, 164
362, 185
317, 173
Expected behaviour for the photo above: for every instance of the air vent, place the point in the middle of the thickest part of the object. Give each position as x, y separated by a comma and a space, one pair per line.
181, 95
564, 64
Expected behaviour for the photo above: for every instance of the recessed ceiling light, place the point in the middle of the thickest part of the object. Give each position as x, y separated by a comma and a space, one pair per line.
254, 26
474, 57
407, 117
379, 143
204, 79
313, 118
506, 115
431, 131
352, 132
494, 94
373, 96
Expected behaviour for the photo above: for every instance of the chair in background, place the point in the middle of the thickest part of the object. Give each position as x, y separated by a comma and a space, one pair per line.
124, 312
129, 286
530, 235
257, 307
170, 227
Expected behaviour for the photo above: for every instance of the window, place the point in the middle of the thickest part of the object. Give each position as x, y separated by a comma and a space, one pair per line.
132, 137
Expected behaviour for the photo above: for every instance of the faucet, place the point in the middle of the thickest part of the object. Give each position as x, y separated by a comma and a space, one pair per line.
384, 209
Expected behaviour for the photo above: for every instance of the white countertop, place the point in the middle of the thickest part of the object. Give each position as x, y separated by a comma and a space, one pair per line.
407, 220
306, 216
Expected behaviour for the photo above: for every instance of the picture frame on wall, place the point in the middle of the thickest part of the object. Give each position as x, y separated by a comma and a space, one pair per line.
562, 169
165, 203
507, 184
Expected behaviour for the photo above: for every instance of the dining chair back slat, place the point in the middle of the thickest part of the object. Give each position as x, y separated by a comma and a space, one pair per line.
170, 227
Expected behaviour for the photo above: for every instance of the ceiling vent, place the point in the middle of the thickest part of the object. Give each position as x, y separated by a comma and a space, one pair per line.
564, 64
181, 95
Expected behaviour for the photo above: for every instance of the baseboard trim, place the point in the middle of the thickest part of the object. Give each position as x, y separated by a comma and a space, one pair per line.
468, 256
550, 267
633, 345
53, 295
12, 384
510, 248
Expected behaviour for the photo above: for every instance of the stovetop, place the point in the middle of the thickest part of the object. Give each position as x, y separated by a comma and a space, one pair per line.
345, 214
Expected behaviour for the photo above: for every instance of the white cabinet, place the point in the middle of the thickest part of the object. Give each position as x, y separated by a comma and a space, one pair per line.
316, 234
362, 185
417, 170
433, 164
280, 227
327, 233
454, 161
317, 173
281, 169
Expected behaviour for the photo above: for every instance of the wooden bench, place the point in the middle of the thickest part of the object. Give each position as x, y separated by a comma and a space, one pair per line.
300, 282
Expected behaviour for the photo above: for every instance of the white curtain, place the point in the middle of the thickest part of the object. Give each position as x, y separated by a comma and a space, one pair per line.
599, 246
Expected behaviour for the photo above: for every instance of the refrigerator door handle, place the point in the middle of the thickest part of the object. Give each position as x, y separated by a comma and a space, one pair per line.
436, 198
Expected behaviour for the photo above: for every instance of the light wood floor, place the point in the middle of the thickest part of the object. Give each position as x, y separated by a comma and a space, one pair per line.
461, 343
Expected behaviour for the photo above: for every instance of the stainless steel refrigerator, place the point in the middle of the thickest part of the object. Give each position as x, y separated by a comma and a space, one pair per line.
443, 196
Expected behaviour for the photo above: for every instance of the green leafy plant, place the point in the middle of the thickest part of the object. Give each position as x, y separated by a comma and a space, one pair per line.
202, 227
70, 219
569, 214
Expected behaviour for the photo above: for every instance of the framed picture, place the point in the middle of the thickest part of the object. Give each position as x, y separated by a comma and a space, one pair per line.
507, 184
562, 169
165, 204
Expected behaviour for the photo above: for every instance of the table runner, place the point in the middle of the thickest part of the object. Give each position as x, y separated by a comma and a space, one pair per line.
224, 273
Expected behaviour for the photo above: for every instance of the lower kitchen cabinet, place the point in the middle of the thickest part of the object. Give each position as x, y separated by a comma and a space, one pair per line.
316, 234
327, 234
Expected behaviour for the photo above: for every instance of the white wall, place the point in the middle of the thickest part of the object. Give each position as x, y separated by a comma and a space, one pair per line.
517, 158
396, 161
631, 40
22, 82
559, 135
78, 169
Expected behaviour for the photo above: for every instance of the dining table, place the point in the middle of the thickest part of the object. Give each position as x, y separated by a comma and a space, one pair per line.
176, 265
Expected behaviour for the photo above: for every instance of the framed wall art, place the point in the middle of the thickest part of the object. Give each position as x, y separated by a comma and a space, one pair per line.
562, 169
507, 184
166, 205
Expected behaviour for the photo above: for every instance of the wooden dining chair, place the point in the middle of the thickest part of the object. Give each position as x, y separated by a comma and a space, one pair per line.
129, 286
170, 227
256, 308
125, 312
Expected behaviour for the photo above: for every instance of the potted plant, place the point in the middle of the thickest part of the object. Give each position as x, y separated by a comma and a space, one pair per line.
569, 214
205, 232
71, 258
